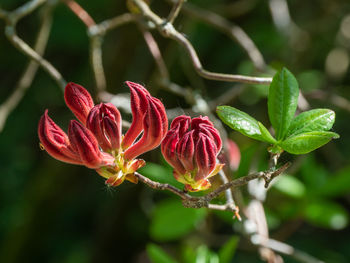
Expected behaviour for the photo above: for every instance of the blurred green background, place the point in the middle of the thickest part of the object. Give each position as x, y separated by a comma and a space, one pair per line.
56, 212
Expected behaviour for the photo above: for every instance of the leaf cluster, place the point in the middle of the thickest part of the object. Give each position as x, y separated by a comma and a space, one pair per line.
297, 135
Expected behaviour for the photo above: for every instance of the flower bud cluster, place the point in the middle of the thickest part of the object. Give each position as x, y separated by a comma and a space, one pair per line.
97, 140
191, 147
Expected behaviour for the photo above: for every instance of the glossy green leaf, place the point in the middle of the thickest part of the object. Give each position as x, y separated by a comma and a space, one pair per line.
313, 120
326, 214
282, 101
266, 134
290, 186
171, 220
307, 142
228, 250
243, 123
158, 255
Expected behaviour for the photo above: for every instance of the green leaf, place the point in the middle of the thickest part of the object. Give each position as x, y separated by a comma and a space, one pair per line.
171, 220
326, 214
204, 255
290, 186
307, 142
243, 123
227, 252
282, 101
188, 253
158, 255
266, 134
313, 120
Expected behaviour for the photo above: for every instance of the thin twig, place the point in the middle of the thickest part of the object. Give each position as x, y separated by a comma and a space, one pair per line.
230, 203
97, 62
231, 30
164, 79
335, 99
11, 19
95, 43
284, 248
235, 183
228, 192
155, 51
167, 30
29, 73
204, 201
160, 186
175, 10
96, 33
109, 24
28, 51
25, 9
80, 12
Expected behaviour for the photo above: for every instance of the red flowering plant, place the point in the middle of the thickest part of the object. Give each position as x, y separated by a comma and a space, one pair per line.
97, 140
191, 147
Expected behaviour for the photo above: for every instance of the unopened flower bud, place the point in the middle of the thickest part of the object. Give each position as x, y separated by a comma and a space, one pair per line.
139, 106
78, 101
97, 142
55, 141
86, 145
104, 121
155, 127
191, 148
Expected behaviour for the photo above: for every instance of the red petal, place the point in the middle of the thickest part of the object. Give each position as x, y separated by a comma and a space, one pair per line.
78, 101
169, 145
87, 146
139, 106
94, 124
55, 140
104, 121
182, 122
205, 157
185, 151
153, 133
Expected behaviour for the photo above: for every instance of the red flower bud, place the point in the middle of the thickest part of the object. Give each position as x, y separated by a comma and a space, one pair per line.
86, 145
139, 106
104, 121
55, 141
205, 156
78, 101
185, 151
168, 147
183, 122
192, 153
155, 127
204, 125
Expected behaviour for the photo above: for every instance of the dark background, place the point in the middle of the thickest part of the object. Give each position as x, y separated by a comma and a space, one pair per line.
55, 212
